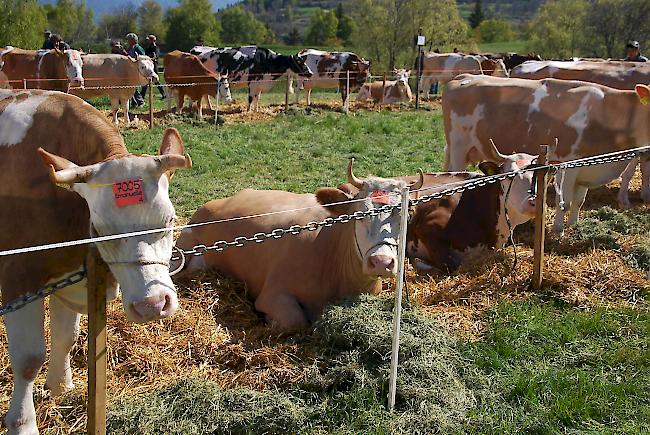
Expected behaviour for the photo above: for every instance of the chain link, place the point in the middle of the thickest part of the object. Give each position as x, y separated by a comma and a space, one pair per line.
44, 292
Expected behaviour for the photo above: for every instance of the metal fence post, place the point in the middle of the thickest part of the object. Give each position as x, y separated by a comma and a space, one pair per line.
541, 176
347, 91
418, 76
397, 315
96, 279
383, 90
286, 96
150, 89
24, 83
216, 104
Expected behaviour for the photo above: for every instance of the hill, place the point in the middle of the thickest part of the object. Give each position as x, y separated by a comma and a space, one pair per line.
101, 7
516, 11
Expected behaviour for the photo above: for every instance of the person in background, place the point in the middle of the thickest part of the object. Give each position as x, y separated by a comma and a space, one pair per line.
633, 49
58, 42
153, 51
47, 43
116, 48
134, 50
199, 41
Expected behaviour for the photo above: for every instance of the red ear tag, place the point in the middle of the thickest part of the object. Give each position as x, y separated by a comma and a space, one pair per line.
128, 192
380, 197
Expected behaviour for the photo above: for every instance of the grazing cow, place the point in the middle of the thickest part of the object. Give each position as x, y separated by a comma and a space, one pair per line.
185, 68
294, 277
35, 211
441, 230
43, 69
105, 70
511, 60
586, 119
442, 68
256, 67
393, 91
615, 74
330, 71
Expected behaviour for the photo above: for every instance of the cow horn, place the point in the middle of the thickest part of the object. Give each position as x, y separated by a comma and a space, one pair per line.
352, 179
417, 185
170, 162
494, 154
69, 176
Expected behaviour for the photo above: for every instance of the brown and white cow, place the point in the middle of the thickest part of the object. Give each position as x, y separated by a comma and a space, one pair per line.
586, 119
83, 151
330, 71
183, 69
390, 92
106, 70
444, 67
293, 278
43, 69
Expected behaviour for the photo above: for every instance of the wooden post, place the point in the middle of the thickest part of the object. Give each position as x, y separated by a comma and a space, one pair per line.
383, 89
216, 103
418, 75
24, 83
150, 85
397, 315
96, 277
541, 176
286, 96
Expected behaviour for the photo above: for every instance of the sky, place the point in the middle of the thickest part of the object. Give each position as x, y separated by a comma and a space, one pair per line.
101, 7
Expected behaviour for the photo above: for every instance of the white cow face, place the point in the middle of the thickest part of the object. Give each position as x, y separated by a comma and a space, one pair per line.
224, 89
139, 264
146, 67
376, 236
73, 67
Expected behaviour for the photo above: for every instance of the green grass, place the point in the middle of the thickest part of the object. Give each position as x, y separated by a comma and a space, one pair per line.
520, 47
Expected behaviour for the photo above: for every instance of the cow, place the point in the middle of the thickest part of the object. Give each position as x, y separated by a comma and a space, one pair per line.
331, 71
115, 70
85, 153
511, 60
43, 69
193, 79
257, 68
586, 119
294, 277
390, 92
442, 68
614, 74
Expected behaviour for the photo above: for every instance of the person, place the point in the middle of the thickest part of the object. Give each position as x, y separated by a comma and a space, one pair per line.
116, 48
134, 50
58, 42
47, 43
153, 51
199, 41
633, 49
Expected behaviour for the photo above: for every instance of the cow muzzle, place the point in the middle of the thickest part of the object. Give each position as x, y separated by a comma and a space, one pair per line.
77, 81
382, 265
158, 306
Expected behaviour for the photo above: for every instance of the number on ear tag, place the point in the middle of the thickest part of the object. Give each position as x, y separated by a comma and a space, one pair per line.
380, 197
128, 192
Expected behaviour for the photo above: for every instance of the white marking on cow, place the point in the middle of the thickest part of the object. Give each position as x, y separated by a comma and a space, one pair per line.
463, 134
539, 94
238, 55
17, 119
580, 119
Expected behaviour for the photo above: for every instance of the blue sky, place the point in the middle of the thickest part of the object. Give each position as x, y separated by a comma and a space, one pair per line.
102, 6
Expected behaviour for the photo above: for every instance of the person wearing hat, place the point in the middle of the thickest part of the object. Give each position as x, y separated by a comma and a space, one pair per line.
134, 50
116, 48
633, 49
153, 51
47, 43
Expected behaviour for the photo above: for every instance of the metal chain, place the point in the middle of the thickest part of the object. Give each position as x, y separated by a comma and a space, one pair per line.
28, 298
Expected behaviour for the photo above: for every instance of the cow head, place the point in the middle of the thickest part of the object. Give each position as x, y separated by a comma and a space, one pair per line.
519, 191
376, 236
361, 67
146, 67
140, 264
224, 89
297, 65
73, 66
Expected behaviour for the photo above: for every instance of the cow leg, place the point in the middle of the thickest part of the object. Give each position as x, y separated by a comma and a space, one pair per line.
115, 107
282, 310
27, 353
425, 87
626, 177
127, 120
579, 196
645, 179
64, 329
565, 187
309, 97
199, 107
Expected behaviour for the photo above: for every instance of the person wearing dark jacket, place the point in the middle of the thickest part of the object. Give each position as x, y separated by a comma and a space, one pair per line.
633, 49
153, 51
47, 43
134, 50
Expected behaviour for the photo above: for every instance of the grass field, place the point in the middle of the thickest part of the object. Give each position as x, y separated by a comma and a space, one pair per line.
480, 352
518, 46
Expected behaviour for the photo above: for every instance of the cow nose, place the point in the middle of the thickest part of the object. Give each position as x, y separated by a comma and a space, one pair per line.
154, 307
532, 202
382, 264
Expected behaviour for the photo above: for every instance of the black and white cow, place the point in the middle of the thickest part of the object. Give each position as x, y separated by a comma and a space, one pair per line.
255, 67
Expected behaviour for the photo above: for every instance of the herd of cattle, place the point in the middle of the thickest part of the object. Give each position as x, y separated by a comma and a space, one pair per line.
65, 164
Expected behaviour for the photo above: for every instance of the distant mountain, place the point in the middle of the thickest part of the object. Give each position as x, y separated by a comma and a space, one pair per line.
101, 7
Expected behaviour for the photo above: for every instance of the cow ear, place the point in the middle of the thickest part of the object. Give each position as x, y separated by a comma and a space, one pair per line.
55, 161
489, 168
643, 92
329, 195
172, 143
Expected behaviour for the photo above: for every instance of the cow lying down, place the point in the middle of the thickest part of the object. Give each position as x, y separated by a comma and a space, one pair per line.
293, 278
393, 91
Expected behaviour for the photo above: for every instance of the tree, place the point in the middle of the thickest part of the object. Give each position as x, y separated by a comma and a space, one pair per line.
293, 37
73, 20
494, 31
188, 21
477, 15
240, 26
22, 23
558, 29
613, 22
150, 19
122, 20
322, 28
346, 26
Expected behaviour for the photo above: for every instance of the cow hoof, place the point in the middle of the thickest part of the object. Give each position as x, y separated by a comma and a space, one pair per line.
57, 389
559, 231
20, 426
422, 266
624, 205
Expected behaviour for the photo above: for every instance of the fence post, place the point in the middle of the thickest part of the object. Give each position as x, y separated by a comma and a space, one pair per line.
24, 83
383, 90
541, 176
96, 278
286, 96
418, 76
150, 89
397, 315
347, 91
216, 103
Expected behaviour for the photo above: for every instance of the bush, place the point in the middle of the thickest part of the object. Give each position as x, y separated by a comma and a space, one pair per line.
494, 31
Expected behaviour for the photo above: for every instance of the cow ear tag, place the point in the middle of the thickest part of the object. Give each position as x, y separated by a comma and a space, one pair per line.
128, 192
644, 94
380, 197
